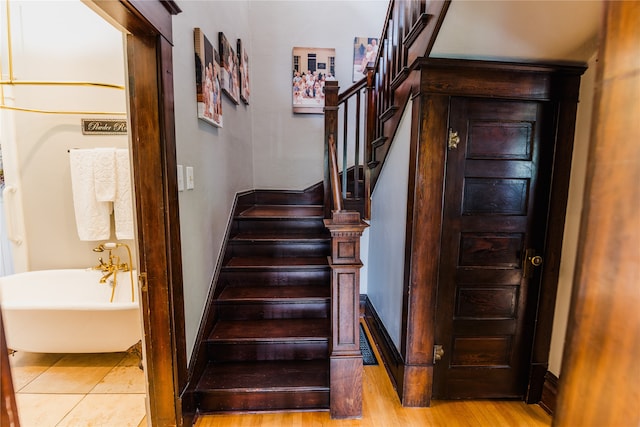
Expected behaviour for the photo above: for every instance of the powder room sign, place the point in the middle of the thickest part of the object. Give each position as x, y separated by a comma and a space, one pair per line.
104, 127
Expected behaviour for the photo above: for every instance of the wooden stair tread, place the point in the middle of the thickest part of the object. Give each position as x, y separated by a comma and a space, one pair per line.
282, 211
280, 375
274, 293
271, 330
279, 262
274, 236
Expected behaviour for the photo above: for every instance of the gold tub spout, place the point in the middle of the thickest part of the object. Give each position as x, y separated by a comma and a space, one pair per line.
113, 265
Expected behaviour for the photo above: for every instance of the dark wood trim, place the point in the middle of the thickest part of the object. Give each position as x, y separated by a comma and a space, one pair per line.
422, 247
8, 407
539, 82
549, 393
407, 89
388, 113
391, 357
150, 67
414, 32
566, 109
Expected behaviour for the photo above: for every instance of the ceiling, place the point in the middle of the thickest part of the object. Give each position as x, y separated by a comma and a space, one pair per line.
520, 30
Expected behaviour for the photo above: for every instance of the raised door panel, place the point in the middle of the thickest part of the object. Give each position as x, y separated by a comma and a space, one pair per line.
490, 218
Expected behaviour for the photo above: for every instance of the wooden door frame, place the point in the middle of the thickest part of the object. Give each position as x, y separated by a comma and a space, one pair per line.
152, 125
440, 79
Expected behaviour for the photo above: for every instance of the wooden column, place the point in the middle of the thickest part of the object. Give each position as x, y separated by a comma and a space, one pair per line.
600, 380
345, 356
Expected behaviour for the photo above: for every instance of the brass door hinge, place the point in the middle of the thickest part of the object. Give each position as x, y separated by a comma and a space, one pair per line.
454, 140
142, 280
438, 352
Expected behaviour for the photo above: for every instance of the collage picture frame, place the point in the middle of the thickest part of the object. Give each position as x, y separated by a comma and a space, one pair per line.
243, 59
229, 75
208, 87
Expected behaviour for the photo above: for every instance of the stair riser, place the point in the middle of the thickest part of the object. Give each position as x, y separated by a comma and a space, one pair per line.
275, 277
279, 249
274, 310
225, 352
293, 225
262, 401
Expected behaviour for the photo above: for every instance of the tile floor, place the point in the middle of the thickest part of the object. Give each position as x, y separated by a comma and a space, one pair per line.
79, 390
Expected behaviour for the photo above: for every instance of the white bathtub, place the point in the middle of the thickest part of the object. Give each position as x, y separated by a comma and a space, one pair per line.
68, 311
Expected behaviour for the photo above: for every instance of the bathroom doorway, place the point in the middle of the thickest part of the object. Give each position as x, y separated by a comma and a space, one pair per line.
149, 63
58, 74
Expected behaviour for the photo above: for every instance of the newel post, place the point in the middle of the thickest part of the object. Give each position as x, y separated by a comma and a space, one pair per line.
346, 227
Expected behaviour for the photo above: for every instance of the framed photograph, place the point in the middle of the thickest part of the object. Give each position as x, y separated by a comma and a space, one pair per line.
229, 76
365, 50
312, 67
208, 93
243, 59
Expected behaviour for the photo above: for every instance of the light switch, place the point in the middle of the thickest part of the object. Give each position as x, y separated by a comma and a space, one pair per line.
190, 183
180, 178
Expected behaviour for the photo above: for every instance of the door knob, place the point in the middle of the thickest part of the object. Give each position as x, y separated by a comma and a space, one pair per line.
536, 260
530, 261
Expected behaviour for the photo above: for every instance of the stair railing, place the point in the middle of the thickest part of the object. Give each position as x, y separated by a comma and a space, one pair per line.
409, 34
345, 118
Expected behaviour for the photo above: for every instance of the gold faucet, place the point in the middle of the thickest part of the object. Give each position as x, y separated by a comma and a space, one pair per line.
113, 265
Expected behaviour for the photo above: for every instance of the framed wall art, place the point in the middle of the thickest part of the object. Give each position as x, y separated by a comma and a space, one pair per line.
229, 76
312, 67
208, 91
365, 50
243, 59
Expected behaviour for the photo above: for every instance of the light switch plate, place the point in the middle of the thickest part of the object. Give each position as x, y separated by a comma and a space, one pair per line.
190, 183
180, 178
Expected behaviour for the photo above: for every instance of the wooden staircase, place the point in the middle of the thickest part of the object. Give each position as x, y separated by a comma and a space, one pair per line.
269, 346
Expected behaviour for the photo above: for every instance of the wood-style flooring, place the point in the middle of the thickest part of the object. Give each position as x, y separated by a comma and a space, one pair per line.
381, 408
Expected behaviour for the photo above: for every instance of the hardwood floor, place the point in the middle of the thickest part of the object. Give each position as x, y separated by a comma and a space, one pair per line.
381, 408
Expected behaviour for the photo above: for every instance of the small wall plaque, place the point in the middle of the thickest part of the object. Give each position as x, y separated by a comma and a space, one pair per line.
104, 126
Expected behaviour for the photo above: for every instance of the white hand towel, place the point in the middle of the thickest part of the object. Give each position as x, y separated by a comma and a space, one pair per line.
123, 205
104, 174
93, 218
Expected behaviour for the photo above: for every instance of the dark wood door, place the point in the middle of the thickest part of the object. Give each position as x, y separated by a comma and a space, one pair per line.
496, 193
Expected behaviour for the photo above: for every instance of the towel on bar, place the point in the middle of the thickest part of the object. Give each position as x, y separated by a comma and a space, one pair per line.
104, 174
93, 218
123, 204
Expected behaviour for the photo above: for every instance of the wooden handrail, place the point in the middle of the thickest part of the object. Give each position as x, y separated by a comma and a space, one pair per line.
353, 90
333, 170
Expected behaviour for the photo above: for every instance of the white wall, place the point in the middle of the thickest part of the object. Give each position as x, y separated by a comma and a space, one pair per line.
288, 148
221, 157
574, 212
35, 145
387, 233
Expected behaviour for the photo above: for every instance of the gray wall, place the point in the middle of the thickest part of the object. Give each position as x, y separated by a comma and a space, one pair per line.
387, 232
287, 147
221, 157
